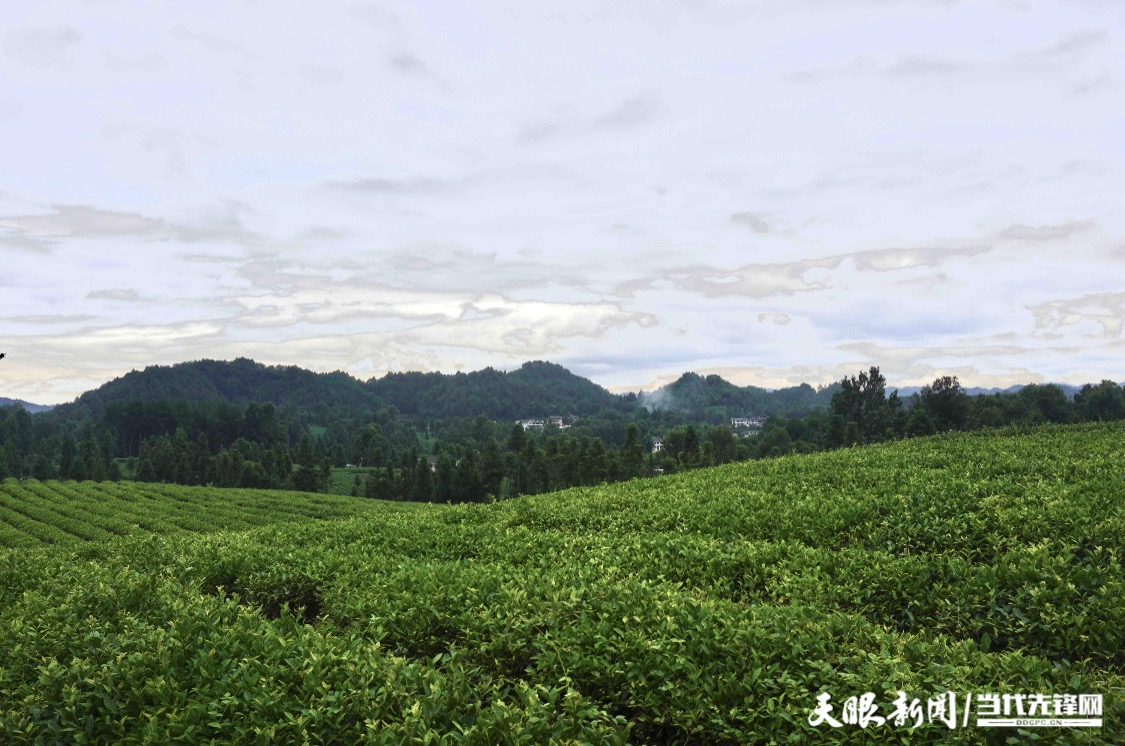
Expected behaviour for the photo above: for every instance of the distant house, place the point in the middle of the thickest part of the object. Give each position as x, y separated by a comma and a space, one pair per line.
753, 423
657, 445
433, 462
531, 424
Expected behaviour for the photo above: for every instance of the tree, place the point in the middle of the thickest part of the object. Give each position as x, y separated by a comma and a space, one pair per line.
1049, 401
920, 423
492, 467
41, 470
632, 455
467, 484
724, 445
67, 458
836, 432
862, 400
443, 477
421, 487
1100, 403
774, 441
946, 403
307, 477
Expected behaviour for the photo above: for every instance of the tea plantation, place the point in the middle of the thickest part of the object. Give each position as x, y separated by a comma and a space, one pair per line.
61, 513
711, 607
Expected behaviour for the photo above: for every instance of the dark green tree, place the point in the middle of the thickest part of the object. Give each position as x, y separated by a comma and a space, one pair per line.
862, 400
492, 467
632, 454
920, 423
1100, 403
444, 473
307, 477
946, 403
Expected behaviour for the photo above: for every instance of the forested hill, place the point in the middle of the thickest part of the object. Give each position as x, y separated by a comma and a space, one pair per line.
536, 389
32, 408
713, 398
238, 382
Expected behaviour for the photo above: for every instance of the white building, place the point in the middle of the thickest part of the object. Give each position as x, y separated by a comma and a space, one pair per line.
753, 423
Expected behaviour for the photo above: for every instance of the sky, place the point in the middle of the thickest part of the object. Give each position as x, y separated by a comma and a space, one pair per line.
779, 191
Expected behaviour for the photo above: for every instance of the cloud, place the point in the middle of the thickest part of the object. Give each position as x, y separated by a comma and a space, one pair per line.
630, 288
1102, 311
57, 318
375, 15
1063, 54
1103, 82
480, 321
541, 131
892, 260
758, 222
114, 294
915, 66
418, 185
24, 243
40, 232
76, 220
1058, 232
43, 47
210, 41
633, 112
787, 278
409, 64
752, 280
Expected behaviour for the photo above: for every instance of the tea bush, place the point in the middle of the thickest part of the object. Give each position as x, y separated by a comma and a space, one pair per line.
709, 607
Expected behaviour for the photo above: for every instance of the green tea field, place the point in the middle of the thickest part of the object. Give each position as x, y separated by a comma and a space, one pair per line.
62, 513
710, 607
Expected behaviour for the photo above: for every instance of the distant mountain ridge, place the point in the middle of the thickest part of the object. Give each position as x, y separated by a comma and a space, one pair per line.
1068, 389
240, 381
536, 388
32, 408
713, 397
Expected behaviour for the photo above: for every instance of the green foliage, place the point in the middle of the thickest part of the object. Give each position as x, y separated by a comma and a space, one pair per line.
920, 423
861, 401
69, 513
946, 403
708, 607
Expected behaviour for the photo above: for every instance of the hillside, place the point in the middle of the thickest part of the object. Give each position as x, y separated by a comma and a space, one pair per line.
713, 398
707, 607
58, 514
32, 408
239, 381
536, 388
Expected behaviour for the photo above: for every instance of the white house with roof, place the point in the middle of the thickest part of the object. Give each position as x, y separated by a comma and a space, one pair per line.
752, 423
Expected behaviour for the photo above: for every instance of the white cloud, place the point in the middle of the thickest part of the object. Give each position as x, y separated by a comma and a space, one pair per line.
776, 190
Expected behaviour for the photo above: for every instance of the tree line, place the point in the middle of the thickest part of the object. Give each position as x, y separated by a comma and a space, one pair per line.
477, 458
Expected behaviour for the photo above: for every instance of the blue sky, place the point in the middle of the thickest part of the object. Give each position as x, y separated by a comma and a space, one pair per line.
776, 191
